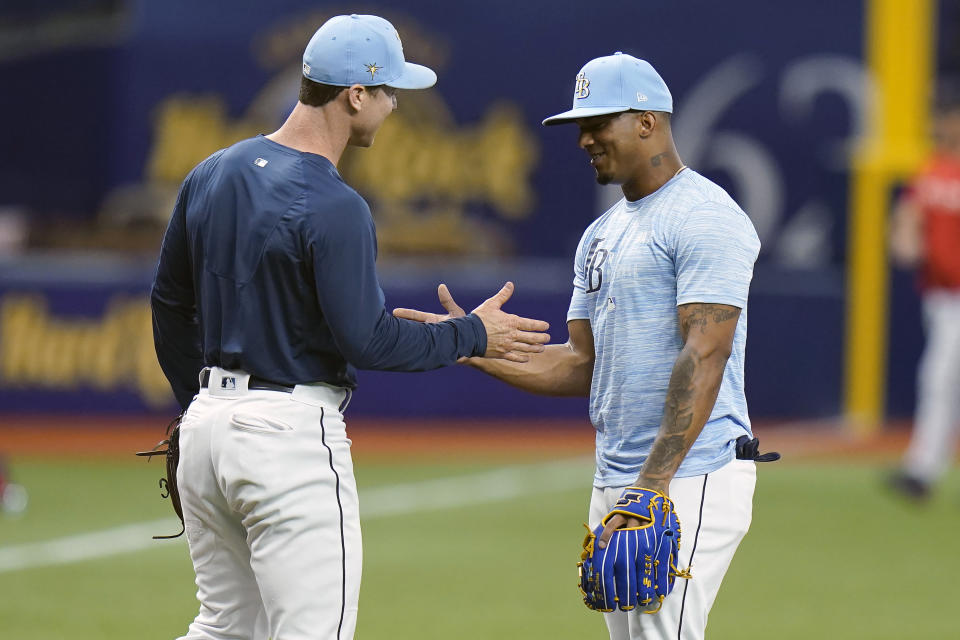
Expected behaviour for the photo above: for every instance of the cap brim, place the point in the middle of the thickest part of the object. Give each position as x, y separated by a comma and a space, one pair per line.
414, 76
582, 112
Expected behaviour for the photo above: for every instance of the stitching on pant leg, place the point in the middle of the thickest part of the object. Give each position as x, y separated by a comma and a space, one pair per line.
693, 550
343, 544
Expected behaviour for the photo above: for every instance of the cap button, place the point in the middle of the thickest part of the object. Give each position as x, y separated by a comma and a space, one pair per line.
618, 53
354, 16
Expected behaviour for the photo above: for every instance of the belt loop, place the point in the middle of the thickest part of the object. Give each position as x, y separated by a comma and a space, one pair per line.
347, 397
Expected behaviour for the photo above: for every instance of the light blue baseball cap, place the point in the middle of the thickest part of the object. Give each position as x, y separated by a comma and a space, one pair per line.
616, 83
364, 50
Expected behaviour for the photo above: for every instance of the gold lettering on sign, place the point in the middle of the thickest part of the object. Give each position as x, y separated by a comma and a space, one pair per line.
435, 186
111, 353
190, 128
490, 161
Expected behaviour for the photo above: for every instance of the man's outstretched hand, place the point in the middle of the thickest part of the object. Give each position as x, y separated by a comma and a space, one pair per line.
446, 300
509, 337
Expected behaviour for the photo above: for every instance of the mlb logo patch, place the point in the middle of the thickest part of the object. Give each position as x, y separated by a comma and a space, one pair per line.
228, 383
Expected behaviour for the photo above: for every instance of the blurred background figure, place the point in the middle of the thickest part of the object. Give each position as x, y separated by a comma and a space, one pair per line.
13, 497
925, 234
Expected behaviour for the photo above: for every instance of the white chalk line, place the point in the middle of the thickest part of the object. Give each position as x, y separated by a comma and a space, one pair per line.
497, 485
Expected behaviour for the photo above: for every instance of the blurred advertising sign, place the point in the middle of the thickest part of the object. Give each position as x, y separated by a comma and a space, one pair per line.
768, 97
107, 353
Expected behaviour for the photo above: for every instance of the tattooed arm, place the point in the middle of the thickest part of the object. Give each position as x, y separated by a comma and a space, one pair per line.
707, 331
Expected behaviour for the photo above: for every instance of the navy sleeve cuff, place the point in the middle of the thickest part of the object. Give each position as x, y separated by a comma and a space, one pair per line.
480, 333
471, 336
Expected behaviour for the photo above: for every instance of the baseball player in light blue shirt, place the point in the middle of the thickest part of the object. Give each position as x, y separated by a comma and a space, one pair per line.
686, 243
658, 325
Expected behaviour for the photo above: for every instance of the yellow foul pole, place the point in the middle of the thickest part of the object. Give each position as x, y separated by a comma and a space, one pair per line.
899, 57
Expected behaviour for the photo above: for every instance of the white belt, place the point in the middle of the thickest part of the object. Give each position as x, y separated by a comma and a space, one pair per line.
225, 383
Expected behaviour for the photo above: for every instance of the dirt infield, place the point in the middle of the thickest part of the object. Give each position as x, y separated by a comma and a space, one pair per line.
382, 439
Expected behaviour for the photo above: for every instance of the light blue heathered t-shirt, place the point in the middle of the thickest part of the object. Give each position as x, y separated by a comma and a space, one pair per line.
686, 242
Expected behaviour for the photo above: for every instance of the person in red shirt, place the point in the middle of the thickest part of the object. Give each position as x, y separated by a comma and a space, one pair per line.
925, 234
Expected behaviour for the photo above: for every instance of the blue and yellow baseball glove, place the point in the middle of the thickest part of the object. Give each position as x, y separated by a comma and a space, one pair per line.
638, 566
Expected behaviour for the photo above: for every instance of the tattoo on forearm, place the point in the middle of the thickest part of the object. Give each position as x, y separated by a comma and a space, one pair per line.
657, 160
695, 379
669, 450
700, 315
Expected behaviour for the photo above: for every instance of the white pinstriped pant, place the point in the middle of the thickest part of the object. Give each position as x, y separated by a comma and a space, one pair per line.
715, 511
934, 439
271, 512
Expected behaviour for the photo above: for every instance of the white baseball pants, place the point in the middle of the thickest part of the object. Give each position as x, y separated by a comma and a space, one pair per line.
271, 512
934, 438
715, 512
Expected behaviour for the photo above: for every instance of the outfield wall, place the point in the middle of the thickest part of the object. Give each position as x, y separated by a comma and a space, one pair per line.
770, 100
75, 336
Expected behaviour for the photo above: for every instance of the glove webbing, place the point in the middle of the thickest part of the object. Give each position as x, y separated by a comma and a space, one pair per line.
168, 485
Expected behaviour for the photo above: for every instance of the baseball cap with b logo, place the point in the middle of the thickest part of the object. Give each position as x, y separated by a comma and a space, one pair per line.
613, 84
364, 50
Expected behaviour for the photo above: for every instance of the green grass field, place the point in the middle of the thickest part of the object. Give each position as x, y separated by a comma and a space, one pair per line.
830, 555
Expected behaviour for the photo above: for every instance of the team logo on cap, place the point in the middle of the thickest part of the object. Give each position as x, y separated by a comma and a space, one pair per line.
582, 90
372, 68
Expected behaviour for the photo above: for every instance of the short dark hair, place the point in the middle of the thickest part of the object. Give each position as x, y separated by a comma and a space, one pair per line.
663, 115
316, 94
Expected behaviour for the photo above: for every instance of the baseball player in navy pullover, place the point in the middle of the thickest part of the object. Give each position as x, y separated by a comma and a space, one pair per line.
265, 302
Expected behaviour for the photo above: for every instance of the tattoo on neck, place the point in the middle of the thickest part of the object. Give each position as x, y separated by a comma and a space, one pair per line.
657, 160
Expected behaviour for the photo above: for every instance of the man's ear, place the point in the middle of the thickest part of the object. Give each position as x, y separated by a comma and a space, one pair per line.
647, 122
356, 95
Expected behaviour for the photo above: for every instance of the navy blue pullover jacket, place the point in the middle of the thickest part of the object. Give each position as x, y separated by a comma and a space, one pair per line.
268, 265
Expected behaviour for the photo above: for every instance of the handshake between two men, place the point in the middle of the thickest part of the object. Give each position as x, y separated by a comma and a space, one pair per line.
509, 337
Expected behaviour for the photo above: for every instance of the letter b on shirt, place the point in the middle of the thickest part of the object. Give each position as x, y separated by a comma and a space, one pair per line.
595, 259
